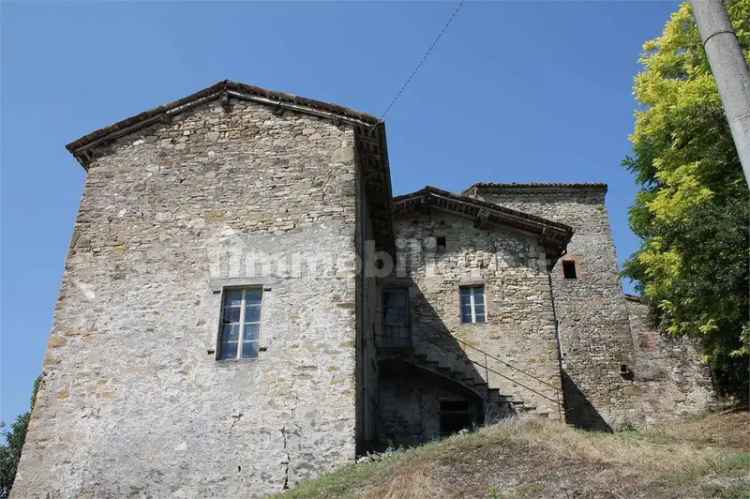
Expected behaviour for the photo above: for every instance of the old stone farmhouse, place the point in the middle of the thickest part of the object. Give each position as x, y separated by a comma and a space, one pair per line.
246, 305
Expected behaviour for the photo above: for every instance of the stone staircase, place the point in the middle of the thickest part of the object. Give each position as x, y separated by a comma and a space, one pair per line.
463, 372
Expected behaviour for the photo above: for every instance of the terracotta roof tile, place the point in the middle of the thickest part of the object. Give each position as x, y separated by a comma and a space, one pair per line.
556, 231
215, 91
539, 185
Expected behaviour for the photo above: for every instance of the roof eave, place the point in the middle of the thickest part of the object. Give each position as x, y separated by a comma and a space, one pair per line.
79, 148
554, 236
537, 186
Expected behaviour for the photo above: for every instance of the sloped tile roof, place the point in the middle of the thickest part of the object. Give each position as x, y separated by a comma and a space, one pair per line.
226, 87
554, 233
537, 186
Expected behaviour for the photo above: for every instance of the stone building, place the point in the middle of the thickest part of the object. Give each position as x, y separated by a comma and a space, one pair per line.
245, 305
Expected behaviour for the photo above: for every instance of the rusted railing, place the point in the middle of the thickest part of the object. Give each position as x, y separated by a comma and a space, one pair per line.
487, 369
400, 339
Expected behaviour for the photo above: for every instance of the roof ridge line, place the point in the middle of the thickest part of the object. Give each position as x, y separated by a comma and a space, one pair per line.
223, 87
485, 204
538, 185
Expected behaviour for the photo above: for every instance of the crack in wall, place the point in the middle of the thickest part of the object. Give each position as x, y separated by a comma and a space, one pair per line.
285, 436
286, 464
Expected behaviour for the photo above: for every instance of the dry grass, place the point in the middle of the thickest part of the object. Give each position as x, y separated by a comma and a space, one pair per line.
706, 457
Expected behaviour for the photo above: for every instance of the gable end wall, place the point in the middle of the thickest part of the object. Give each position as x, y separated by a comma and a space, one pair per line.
133, 399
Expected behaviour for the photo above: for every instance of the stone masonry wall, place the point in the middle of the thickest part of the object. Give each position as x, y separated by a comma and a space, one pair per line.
593, 318
520, 323
670, 379
409, 412
134, 402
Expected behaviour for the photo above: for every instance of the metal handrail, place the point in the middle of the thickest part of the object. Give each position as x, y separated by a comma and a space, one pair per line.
488, 369
516, 382
556, 400
501, 361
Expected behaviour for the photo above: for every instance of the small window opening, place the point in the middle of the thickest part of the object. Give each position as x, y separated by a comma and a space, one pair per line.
240, 323
472, 304
626, 372
569, 269
441, 243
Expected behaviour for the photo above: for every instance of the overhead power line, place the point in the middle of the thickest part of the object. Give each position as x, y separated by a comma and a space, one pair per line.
424, 58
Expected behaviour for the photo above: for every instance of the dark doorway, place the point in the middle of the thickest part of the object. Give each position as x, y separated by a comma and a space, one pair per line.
454, 416
396, 331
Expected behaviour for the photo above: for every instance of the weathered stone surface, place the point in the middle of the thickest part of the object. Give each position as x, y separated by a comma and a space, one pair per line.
593, 320
519, 327
600, 363
410, 406
670, 380
201, 193
132, 403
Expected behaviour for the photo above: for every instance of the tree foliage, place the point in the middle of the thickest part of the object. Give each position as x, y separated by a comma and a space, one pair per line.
692, 209
10, 451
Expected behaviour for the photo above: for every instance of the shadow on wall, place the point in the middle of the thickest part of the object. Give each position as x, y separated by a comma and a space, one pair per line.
430, 331
418, 406
578, 409
429, 387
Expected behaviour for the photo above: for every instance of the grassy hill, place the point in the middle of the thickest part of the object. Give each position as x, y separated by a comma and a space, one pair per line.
706, 457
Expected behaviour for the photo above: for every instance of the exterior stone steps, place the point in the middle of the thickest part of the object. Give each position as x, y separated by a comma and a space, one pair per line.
497, 405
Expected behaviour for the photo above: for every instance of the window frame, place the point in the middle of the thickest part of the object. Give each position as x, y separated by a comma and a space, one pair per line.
472, 301
241, 323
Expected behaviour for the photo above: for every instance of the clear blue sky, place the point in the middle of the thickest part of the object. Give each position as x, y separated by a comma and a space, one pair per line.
513, 92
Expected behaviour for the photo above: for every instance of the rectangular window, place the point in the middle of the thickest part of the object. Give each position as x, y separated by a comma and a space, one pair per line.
569, 269
472, 304
240, 323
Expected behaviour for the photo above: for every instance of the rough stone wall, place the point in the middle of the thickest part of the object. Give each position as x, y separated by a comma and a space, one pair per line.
519, 328
133, 404
670, 379
593, 318
409, 412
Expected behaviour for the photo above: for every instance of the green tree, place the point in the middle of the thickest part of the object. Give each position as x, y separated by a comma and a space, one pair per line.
692, 209
10, 451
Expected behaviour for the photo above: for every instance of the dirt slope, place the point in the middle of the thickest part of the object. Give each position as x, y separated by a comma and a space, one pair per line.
706, 457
